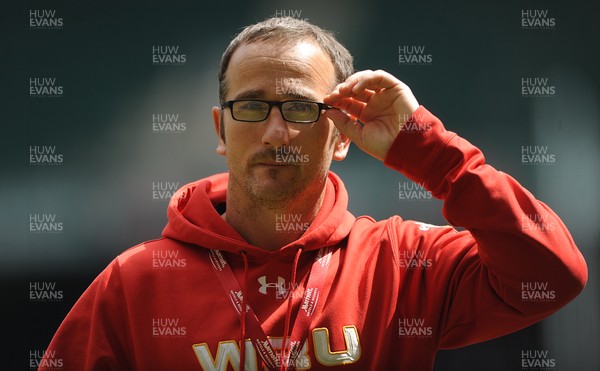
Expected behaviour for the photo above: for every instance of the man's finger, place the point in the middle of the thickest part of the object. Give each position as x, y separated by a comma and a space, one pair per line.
350, 105
334, 97
376, 81
346, 124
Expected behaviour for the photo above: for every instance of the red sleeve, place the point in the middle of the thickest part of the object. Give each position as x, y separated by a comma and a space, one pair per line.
515, 264
94, 335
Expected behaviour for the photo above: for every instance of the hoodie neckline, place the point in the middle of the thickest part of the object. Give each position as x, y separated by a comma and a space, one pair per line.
193, 218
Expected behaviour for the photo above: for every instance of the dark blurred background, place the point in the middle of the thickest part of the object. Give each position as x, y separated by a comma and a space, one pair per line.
101, 193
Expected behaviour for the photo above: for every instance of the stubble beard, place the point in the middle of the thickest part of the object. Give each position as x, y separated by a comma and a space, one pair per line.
276, 197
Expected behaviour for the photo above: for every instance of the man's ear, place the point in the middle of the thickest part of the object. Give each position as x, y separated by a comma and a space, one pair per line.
217, 114
341, 146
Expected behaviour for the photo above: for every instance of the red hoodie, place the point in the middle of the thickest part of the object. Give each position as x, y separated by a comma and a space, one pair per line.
394, 292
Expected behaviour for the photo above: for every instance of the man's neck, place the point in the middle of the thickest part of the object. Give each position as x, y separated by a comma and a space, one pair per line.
271, 226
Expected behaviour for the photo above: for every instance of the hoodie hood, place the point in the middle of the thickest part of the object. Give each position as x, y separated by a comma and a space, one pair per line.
193, 218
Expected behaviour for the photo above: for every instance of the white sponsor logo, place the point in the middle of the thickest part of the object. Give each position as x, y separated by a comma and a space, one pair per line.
279, 285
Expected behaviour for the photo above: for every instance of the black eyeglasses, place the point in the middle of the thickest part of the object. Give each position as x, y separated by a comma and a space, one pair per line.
298, 111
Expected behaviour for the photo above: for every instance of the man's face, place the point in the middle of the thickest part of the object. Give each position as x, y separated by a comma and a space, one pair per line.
275, 160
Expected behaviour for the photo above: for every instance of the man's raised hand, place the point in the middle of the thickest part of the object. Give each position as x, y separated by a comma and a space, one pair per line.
377, 106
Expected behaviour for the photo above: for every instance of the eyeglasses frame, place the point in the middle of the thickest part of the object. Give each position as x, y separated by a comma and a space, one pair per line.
278, 104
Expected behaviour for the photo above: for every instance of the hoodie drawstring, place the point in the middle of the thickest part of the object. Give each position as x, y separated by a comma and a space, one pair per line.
244, 301
288, 315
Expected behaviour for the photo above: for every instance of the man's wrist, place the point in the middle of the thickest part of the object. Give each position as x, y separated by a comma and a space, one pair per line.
417, 145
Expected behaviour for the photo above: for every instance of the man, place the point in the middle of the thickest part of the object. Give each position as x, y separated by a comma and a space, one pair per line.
320, 288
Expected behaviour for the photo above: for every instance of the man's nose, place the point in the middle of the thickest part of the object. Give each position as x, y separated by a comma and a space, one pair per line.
277, 131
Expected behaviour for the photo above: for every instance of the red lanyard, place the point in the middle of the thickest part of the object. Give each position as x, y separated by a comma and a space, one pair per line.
308, 306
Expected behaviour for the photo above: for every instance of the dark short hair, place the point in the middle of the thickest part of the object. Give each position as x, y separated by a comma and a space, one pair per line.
286, 30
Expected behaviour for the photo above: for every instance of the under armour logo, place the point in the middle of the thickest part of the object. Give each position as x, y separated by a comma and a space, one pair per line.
279, 285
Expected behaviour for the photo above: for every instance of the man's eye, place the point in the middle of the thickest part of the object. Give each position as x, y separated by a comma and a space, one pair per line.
252, 106
299, 106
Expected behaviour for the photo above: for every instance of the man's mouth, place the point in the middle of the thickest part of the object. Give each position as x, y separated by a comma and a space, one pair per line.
275, 163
